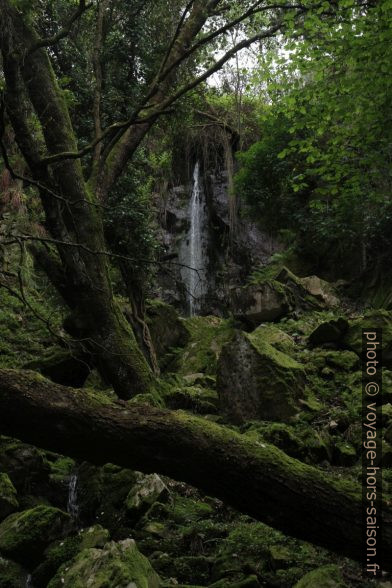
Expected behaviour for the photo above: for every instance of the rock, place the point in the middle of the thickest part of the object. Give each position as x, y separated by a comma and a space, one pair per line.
344, 454
117, 564
208, 335
25, 465
167, 329
12, 575
280, 557
321, 290
147, 490
64, 550
329, 576
67, 367
329, 332
8, 500
301, 298
381, 319
195, 399
256, 381
256, 303
25, 535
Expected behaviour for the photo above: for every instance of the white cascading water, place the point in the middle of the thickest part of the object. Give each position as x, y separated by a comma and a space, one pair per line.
195, 252
72, 505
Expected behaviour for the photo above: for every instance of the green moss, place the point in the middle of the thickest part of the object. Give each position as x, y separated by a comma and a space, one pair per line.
185, 510
62, 551
24, 535
264, 348
23, 337
207, 337
61, 468
8, 499
118, 564
193, 398
150, 398
12, 575
274, 336
328, 576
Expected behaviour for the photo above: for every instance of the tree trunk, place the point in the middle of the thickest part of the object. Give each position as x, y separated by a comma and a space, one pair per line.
71, 209
254, 478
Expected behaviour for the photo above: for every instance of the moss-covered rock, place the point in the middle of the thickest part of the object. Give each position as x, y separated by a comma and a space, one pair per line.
64, 550
12, 575
331, 331
329, 576
25, 535
8, 499
147, 490
321, 290
256, 381
344, 454
208, 334
381, 319
196, 399
26, 466
302, 442
117, 564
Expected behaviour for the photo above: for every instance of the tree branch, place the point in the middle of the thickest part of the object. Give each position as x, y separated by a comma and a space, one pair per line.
64, 31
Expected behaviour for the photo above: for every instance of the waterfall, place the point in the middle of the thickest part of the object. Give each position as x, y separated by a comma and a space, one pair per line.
72, 505
194, 253
29, 581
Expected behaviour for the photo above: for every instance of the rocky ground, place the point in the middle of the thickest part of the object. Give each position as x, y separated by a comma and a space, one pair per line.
284, 369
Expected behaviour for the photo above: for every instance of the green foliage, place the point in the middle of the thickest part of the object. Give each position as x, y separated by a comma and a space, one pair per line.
322, 166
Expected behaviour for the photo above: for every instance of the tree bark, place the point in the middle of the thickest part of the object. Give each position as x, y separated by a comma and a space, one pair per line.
254, 478
73, 218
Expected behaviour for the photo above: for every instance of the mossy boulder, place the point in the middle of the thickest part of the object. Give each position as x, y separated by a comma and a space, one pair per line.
256, 303
208, 334
196, 399
329, 576
344, 454
12, 575
8, 499
64, 550
374, 319
304, 443
147, 490
256, 381
26, 466
117, 564
25, 535
331, 331
321, 290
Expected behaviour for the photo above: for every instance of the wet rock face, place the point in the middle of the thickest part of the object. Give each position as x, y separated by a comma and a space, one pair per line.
256, 381
230, 257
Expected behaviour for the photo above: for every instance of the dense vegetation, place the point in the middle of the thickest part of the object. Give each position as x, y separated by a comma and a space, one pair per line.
105, 108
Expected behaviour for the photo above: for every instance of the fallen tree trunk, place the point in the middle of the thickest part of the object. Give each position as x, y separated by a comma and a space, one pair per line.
254, 478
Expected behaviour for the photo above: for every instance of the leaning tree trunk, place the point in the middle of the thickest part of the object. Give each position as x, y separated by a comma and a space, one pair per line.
254, 478
73, 214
